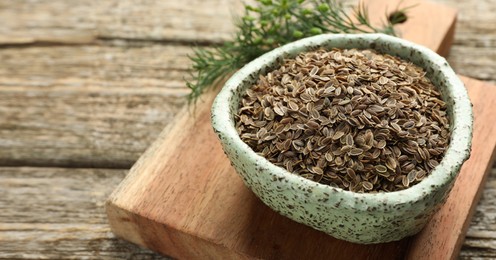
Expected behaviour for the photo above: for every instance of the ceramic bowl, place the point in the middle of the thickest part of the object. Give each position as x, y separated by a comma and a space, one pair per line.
356, 217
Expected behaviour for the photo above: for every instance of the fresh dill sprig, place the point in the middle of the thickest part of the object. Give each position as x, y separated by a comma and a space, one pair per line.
272, 23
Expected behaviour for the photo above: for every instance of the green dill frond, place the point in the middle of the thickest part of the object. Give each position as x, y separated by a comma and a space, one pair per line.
272, 23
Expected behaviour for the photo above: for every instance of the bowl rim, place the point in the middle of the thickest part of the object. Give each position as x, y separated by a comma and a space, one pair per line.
461, 123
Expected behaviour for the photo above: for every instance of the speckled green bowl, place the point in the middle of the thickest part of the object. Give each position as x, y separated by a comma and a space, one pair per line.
356, 217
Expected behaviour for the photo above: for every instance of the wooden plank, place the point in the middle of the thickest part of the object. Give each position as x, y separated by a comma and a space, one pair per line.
68, 22
131, 66
87, 106
481, 236
473, 52
225, 219
184, 189
475, 34
69, 221
214, 232
476, 38
476, 62
436, 32
83, 21
443, 237
91, 127
54, 213
77, 71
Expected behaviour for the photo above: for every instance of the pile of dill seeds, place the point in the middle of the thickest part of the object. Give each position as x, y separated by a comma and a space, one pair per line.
353, 119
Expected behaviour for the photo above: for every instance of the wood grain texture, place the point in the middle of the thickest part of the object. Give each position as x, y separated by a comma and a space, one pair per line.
197, 226
434, 23
83, 21
133, 65
71, 69
184, 189
99, 27
443, 237
87, 106
136, 87
203, 209
127, 64
56, 213
80, 230
480, 241
473, 52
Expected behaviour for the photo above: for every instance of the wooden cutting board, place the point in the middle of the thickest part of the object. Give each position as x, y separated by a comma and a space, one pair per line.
183, 199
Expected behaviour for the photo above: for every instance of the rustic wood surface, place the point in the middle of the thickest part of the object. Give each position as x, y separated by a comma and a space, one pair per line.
201, 209
90, 84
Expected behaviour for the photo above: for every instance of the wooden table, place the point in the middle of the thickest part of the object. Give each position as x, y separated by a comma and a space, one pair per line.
87, 85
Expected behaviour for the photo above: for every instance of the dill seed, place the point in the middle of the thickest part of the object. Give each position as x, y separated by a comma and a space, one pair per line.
353, 119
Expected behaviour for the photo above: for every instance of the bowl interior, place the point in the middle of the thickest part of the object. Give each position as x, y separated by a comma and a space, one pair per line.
437, 70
